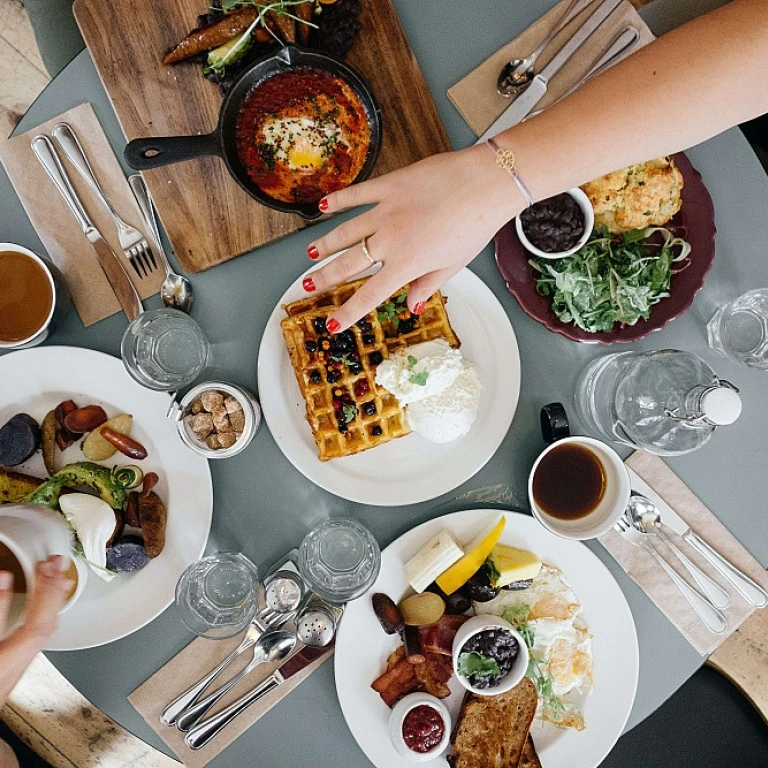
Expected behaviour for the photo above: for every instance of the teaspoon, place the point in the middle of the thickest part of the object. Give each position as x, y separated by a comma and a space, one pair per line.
516, 74
176, 292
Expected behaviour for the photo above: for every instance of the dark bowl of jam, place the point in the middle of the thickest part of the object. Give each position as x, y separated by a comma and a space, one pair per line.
420, 727
558, 226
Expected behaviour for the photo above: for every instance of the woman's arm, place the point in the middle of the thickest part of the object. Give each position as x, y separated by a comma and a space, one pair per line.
43, 606
434, 217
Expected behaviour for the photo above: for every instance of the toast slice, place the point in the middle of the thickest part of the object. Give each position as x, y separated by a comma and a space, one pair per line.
530, 758
491, 731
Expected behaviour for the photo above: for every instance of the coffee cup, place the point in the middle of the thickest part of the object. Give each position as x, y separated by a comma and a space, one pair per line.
578, 487
34, 299
29, 533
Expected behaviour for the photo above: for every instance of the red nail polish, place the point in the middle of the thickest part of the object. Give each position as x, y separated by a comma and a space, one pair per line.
309, 284
418, 308
313, 253
323, 204
332, 326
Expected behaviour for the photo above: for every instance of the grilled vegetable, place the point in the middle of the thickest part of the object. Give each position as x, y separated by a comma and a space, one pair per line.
153, 516
387, 613
85, 419
19, 439
127, 555
48, 438
125, 444
74, 476
213, 35
64, 438
129, 476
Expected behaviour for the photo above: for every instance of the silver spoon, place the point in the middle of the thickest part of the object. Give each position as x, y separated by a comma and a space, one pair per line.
176, 291
516, 74
646, 518
271, 646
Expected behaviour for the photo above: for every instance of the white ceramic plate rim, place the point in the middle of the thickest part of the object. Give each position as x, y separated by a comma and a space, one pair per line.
34, 381
362, 646
409, 470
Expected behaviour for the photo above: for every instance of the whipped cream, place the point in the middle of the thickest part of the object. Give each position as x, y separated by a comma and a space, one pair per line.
421, 371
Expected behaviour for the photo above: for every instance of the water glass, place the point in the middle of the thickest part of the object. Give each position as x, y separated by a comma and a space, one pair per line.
739, 330
218, 596
339, 559
164, 349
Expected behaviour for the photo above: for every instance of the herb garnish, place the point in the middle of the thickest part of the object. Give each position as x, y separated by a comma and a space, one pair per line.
389, 310
612, 279
476, 664
419, 378
350, 412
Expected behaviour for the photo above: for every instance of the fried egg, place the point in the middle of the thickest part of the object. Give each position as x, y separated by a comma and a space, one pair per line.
562, 644
301, 143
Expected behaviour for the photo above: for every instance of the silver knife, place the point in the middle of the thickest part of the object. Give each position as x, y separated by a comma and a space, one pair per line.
748, 589
113, 268
537, 88
202, 733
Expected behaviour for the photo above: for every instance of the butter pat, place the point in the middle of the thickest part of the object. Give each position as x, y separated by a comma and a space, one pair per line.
509, 564
437, 555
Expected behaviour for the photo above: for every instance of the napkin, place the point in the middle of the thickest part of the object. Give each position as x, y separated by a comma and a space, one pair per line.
476, 96
56, 227
193, 663
647, 574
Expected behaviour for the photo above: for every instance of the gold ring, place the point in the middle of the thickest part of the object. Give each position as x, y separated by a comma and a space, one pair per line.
366, 252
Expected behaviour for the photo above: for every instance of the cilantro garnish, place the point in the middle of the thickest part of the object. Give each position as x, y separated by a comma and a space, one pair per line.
612, 279
419, 379
476, 664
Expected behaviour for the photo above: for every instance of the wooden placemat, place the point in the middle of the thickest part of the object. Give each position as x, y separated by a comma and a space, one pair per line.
206, 215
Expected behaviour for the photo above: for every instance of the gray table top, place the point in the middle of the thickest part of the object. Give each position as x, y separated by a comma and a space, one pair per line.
263, 507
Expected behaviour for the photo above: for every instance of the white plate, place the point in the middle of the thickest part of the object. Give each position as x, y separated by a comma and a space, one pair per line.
35, 381
411, 469
362, 646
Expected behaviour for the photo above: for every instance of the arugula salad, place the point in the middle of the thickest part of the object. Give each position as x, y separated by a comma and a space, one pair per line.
613, 278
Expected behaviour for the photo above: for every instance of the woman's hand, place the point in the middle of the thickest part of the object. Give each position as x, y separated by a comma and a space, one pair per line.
40, 620
430, 220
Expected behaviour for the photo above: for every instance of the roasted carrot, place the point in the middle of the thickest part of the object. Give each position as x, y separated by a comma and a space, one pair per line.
212, 35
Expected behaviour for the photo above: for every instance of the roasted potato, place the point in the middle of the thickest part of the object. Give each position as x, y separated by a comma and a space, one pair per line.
96, 448
14, 486
48, 438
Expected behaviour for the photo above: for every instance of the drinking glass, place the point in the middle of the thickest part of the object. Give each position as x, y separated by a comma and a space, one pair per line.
164, 349
218, 595
339, 559
739, 330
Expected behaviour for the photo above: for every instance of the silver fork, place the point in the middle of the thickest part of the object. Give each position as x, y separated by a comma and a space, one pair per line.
711, 616
264, 620
135, 246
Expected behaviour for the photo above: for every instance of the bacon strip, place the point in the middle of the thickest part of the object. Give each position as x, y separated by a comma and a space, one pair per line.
438, 637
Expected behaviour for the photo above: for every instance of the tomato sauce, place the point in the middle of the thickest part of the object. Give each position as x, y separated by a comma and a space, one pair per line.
302, 134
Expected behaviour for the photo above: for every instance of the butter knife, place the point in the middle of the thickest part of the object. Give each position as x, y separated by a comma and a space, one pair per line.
537, 88
202, 733
108, 260
752, 592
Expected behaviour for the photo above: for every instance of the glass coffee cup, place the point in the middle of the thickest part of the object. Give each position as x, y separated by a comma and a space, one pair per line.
34, 298
578, 487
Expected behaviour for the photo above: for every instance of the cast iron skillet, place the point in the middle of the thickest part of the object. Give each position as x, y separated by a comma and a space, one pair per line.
143, 154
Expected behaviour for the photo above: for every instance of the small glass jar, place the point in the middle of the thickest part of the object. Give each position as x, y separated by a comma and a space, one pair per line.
181, 414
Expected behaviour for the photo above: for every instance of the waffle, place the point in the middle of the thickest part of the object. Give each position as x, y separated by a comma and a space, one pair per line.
371, 415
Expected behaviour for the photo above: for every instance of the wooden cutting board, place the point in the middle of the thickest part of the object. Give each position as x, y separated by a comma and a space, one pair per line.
206, 215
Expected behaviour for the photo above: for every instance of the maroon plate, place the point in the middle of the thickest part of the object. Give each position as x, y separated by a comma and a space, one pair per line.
697, 220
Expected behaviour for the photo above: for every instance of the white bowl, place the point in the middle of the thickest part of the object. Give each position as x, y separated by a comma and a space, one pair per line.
397, 716
589, 222
477, 624
611, 506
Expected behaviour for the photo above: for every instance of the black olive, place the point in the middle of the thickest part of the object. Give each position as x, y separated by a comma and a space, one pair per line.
479, 587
